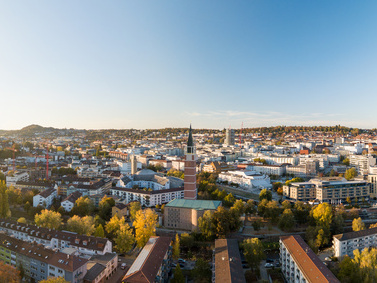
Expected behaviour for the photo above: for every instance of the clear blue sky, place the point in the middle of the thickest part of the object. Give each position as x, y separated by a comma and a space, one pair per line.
154, 64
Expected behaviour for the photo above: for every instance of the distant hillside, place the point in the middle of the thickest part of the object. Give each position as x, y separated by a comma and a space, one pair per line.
30, 130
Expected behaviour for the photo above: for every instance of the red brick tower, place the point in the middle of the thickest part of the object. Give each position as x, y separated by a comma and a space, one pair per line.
190, 169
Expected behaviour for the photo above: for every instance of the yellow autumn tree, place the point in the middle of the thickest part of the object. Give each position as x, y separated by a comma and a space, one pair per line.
145, 226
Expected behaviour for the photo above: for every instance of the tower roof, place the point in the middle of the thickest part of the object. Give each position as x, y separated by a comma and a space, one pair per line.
190, 141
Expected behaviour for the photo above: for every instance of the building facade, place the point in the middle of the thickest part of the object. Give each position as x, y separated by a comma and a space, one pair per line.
330, 190
190, 191
345, 244
299, 264
39, 262
54, 239
153, 263
183, 214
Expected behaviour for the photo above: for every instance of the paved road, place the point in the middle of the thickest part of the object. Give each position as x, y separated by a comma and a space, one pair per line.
263, 271
119, 274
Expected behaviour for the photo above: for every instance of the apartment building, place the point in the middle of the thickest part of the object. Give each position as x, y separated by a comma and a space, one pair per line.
330, 190
69, 202
227, 262
18, 176
45, 198
153, 263
372, 179
84, 245
39, 262
148, 197
299, 264
345, 244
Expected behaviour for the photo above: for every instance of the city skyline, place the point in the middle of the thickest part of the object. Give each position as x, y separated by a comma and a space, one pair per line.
144, 65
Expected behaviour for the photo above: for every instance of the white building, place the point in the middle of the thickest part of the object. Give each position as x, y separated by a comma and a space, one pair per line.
299, 264
149, 197
345, 244
69, 202
11, 180
45, 198
246, 179
278, 170
54, 239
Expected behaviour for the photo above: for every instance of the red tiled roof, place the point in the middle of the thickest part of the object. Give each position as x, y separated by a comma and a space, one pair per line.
309, 263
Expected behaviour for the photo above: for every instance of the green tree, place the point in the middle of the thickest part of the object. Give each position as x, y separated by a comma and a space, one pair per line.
286, 204
114, 225
4, 202
253, 251
349, 272
205, 224
202, 271
250, 207
48, 219
346, 161
178, 275
145, 226
134, 208
322, 238
124, 239
83, 206
272, 211
348, 200
82, 226
238, 207
257, 224
301, 212
358, 224
229, 200
187, 240
176, 247
287, 220
350, 174
99, 232
262, 207
105, 207
265, 194
294, 180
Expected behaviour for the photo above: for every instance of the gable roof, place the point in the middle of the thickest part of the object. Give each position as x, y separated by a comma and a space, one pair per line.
228, 264
147, 264
309, 263
356, 234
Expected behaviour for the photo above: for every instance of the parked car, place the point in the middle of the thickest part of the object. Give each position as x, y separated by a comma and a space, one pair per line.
327, 258
181, 260
269, 260
123, 266
268, 265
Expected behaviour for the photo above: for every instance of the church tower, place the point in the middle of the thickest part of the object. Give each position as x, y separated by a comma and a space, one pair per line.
190, 169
